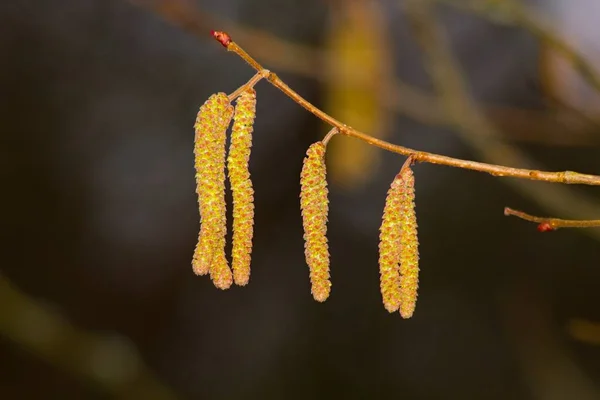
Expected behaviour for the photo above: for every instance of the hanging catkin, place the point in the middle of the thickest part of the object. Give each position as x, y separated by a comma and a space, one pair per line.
241, 185
315, 207
211, 126
389, 247
409, 250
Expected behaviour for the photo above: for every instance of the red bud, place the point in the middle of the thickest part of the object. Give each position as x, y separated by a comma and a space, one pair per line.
545, 227
221, 37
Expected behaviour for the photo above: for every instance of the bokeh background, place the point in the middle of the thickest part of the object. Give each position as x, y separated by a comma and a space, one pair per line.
99, 215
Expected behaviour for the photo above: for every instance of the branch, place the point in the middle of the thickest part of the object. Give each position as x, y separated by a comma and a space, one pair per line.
568, 177
405, 99
550, 224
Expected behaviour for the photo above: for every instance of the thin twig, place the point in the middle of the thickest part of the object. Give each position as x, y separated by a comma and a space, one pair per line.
568, 177
249, 85
552, 223
405, 99
329, 135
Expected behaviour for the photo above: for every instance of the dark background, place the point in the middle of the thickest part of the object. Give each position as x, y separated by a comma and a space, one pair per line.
99, 222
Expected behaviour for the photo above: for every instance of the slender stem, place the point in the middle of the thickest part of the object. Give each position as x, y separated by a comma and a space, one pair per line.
329, 135
568, 177
409, 161
232, 46
250, 84
555, 223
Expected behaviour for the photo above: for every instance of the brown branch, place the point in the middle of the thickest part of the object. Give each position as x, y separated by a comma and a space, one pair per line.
568, 177
550, 224
516, 124
248, 85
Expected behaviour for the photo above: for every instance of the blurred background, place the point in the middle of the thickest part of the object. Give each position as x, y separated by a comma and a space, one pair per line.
99, 219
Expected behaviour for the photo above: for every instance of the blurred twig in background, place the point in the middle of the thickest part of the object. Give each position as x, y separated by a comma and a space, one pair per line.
518, 13
585, 331
107, 361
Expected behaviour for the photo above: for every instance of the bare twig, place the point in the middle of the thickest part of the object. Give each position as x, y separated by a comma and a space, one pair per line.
569, 177
249, 85
548, 224
329, 135
401, 97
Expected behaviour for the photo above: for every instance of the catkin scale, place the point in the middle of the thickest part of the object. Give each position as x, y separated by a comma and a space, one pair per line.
211, 125
409, 250
315, 207
241, 185
389, 247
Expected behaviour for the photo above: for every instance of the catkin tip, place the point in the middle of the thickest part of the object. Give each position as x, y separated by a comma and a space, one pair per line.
220, 273
406, 313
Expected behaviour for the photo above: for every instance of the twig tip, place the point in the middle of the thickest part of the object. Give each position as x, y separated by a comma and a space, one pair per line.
222, 37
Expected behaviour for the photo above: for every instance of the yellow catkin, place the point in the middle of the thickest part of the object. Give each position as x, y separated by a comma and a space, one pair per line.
241, 186
389, 247
211, 126
409, 250
315, 207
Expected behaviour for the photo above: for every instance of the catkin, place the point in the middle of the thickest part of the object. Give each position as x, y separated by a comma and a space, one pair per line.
211, 126
389, 246
315, 207
241, 186
409, 250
